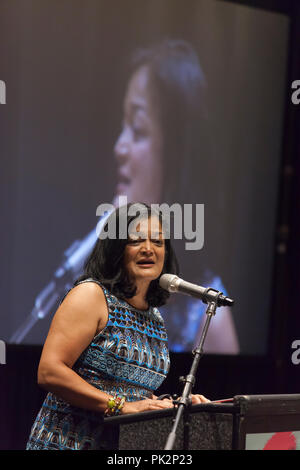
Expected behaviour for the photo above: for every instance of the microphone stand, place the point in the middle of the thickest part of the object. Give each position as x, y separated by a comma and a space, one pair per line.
185, 401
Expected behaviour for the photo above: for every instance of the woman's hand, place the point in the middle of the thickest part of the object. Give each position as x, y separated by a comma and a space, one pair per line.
146, 405
151, 404
196, 399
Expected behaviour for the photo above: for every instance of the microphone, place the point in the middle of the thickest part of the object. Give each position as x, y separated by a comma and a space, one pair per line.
173, 283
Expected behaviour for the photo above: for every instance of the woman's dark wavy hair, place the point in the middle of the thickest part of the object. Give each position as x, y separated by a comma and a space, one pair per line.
179, 90
105, 263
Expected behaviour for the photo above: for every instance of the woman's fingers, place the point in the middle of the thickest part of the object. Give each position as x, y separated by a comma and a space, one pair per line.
146, 405
196, 399
157, 404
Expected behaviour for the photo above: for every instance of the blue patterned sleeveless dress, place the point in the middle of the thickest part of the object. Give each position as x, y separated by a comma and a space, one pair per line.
128, 357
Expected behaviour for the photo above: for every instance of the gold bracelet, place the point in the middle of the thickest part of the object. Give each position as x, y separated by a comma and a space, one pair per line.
114, 405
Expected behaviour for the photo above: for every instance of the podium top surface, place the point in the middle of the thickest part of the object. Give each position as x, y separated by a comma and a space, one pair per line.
226, 408
242, 404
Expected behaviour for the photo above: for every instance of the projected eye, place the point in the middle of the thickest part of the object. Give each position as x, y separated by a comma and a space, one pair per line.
138, 132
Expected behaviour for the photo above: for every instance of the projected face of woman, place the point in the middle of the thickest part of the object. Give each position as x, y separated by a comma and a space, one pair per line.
138, 149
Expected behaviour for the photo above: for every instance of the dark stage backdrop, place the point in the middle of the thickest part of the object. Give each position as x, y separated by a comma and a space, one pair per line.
65, 65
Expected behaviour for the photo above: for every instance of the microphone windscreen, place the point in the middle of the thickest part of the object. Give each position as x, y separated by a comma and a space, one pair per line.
166, 280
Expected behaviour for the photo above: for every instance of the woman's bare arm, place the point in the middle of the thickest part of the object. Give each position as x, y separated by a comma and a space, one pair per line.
79, 317
82, 314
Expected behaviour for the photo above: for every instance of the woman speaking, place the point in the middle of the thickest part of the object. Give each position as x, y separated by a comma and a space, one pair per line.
106, 351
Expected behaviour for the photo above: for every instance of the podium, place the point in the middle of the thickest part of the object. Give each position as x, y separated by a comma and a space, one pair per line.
247, 422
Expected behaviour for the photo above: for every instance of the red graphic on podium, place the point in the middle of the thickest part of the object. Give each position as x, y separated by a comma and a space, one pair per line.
281, 441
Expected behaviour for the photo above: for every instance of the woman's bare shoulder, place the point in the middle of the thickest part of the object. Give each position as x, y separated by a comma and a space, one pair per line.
87, 292
85, 300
